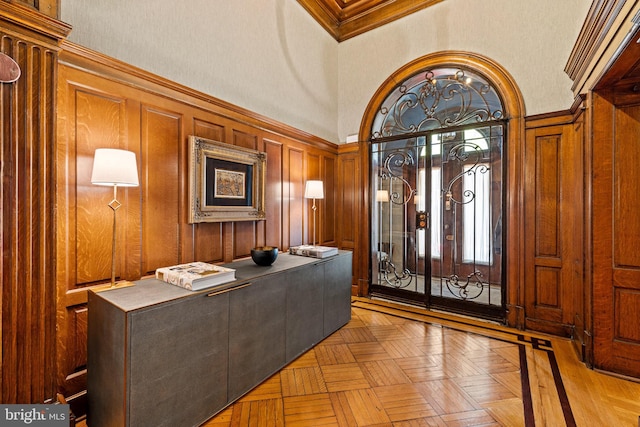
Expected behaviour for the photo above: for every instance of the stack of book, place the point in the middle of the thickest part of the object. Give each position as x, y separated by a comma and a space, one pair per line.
313, 251
196, 275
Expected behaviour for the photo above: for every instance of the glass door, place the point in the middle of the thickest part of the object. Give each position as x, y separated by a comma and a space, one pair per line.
398, 265
437, 220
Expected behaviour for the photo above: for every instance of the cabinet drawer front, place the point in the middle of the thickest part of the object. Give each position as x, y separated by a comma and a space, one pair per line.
256, 333
337, 294
305, 307
178, 362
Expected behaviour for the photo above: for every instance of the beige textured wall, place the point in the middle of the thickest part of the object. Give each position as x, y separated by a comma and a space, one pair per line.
270, 57
531, 39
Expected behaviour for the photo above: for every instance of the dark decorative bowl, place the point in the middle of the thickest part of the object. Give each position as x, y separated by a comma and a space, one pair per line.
264, 255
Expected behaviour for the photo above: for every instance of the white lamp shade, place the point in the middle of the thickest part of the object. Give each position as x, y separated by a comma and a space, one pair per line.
114, 167
314, 190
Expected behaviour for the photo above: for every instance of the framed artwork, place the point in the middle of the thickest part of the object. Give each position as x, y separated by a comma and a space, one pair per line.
226, 183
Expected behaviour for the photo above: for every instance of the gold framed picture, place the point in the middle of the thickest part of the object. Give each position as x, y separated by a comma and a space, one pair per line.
226, 183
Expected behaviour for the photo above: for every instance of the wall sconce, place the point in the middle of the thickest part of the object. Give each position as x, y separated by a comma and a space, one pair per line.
314, 190
113, 167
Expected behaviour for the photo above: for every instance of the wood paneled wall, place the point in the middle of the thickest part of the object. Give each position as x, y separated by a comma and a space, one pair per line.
27, 114
55, 228
104, 103
554, 206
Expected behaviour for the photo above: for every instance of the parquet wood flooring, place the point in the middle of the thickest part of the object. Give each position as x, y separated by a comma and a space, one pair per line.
396, 366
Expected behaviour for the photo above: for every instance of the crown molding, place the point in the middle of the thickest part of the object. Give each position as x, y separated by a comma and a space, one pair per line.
344, 19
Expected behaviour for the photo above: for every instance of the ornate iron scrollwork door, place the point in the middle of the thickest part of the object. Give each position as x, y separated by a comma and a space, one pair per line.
437, 173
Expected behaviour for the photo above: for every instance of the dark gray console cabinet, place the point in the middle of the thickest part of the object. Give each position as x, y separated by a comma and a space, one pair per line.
164, 356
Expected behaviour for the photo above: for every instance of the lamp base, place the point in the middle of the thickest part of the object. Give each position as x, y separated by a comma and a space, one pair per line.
109, 286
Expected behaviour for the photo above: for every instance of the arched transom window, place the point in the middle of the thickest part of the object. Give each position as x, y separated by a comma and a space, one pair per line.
437, 99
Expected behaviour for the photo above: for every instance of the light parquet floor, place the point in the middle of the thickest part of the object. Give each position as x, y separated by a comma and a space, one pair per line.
397, 366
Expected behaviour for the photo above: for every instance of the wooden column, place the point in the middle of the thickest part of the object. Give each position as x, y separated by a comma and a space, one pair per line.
27, 196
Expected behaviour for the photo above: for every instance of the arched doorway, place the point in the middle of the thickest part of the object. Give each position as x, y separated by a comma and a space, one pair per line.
441, 162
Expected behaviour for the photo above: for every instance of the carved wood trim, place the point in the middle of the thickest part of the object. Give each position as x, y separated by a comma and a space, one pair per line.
599, 40
27, 202
344, 20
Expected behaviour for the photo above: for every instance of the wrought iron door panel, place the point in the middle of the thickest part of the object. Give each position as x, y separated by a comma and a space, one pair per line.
437, 174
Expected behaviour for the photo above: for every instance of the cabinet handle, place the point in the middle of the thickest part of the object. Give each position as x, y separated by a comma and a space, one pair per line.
224, 291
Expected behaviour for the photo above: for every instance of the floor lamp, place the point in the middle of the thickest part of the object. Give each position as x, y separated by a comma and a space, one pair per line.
314, 190
114, 168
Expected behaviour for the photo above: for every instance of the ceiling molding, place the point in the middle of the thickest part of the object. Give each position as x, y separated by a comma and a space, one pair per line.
344, 19
608, 28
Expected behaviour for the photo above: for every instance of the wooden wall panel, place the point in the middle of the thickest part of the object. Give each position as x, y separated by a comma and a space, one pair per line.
99, 123
328, 221
161, 177
547, 287
245, 140
274, 206
244, 238
205, 129
208, 236
154, 118
76, 349
547, 194
297, 205
553, 223
349, 190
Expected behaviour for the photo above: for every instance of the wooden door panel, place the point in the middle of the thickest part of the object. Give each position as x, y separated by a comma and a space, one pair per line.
626, 300
616, 263
626, 203
626, 241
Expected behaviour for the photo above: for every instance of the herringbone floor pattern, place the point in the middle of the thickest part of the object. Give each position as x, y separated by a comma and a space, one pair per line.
389, 367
